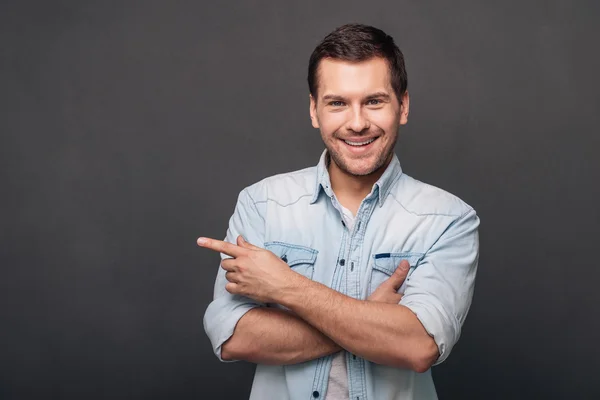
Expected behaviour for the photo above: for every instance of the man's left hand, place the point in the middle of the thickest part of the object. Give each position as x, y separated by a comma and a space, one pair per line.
253, 272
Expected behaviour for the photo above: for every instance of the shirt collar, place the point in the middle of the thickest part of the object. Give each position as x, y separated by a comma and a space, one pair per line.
383, 186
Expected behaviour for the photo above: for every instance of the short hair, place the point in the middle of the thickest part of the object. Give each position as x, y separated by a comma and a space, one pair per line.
355, 43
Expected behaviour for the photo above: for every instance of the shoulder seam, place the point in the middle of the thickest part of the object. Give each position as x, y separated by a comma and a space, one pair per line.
421, 214
254, 204
284, 205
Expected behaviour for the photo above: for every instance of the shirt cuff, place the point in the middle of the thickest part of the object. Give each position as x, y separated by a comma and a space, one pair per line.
221, 317
444, 329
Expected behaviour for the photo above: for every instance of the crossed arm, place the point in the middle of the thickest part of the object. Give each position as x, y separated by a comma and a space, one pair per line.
322, 321
382, 333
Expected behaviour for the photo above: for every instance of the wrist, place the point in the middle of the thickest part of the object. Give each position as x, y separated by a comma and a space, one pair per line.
292, 291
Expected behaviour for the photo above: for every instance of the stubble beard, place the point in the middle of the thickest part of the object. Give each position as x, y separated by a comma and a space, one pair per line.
380, 162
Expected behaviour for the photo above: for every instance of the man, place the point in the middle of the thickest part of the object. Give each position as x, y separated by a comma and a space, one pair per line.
312, 283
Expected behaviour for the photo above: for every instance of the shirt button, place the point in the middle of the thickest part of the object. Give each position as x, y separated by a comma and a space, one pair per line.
342, 262
315, 394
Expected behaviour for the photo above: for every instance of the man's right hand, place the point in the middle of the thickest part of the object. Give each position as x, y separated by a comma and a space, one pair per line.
387, 292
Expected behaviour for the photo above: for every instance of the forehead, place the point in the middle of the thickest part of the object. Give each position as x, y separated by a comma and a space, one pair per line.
347, 78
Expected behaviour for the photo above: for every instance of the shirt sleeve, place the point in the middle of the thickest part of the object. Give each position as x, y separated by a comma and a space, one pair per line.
440, 289
226, 309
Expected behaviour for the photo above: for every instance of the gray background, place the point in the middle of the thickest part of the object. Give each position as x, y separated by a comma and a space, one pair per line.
128, 129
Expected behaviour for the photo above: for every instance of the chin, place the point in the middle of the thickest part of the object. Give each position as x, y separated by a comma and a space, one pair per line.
357, 166
362, 169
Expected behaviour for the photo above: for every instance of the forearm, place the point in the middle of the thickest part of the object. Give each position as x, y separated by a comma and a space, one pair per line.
277, 337
388, 334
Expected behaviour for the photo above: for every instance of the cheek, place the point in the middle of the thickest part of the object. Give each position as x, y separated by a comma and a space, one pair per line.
330, 123
387, 122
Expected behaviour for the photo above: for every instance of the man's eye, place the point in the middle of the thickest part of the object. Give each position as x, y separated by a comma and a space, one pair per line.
336, 103
373, 102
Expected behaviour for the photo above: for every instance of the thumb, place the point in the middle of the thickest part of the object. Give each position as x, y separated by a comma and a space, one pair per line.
242, 243
399, 275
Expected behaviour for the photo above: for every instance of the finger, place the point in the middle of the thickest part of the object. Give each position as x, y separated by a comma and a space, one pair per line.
399, 275
229, 264
231, 277
232, 288
222, 247
396, 298
243, 243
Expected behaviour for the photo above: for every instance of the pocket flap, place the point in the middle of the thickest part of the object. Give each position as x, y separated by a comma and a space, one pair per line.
292, 254
388, 262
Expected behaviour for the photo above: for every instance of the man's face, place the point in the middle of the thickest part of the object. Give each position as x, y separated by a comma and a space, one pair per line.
358, 114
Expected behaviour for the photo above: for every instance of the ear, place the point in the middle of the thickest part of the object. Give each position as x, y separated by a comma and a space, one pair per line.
404, 108
313, 112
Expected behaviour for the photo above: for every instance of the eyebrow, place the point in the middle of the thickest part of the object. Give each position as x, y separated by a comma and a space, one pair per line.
333, 97
376, 95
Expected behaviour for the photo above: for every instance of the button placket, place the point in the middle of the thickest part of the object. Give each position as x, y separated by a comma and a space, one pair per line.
355, 244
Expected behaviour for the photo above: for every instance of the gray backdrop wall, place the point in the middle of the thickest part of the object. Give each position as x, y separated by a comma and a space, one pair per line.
128, 129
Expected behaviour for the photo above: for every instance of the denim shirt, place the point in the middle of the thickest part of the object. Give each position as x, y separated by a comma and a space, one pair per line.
297, 216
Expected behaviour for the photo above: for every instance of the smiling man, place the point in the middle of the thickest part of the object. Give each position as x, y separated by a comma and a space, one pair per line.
350, 279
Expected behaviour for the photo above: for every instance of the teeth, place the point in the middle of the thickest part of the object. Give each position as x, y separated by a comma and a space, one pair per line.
358, 143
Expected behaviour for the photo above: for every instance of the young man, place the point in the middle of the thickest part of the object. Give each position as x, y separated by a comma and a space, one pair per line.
347, 280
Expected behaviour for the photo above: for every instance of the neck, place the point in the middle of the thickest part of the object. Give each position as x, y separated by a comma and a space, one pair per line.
349, 189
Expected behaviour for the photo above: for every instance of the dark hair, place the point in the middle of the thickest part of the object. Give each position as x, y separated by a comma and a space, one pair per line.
354, 43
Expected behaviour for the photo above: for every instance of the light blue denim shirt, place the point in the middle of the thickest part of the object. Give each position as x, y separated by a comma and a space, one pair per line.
297, 216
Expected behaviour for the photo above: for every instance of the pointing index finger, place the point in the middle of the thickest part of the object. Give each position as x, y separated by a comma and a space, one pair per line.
221, 247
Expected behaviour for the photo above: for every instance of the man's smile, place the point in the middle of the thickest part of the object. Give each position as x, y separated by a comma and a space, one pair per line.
359, 145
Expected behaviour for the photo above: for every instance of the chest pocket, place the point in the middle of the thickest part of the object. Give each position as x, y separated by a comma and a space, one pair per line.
384, 265
300, 258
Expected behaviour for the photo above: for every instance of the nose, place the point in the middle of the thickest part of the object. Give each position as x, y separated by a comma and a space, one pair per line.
358, 121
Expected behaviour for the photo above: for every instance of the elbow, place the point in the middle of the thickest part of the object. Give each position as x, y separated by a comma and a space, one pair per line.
422, 365
426, 357
230, 351
226, 353
423, 357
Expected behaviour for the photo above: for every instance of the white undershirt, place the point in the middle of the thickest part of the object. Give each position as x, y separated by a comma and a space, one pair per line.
337, 389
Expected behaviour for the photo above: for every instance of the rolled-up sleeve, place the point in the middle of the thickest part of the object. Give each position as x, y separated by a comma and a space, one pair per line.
224, 312
440, 289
